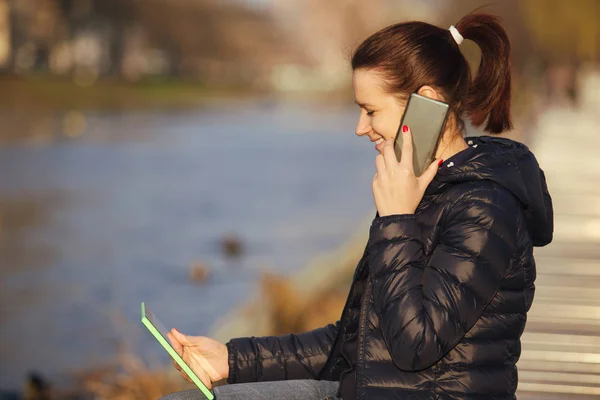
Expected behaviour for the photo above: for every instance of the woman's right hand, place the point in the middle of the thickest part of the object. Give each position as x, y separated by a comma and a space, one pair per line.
206, 357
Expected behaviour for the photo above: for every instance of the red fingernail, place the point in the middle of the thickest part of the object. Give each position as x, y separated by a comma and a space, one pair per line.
440, 163
404, 128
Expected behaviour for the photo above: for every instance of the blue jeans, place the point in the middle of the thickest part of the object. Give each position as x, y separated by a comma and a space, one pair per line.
290, 390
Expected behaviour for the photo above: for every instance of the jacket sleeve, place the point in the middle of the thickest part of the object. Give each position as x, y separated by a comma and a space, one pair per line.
275, 358
425, 307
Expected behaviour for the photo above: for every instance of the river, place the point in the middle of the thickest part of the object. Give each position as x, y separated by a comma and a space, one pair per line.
91, 227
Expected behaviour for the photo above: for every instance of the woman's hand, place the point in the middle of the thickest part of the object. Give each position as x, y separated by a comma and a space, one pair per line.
206, 357
396, 189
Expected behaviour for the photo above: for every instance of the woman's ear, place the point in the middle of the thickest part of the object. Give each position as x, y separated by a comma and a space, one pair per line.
428, 91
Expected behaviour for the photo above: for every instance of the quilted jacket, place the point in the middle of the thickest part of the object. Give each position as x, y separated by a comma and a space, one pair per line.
446, 290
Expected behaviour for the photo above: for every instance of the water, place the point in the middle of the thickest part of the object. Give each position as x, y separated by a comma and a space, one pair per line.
91, 227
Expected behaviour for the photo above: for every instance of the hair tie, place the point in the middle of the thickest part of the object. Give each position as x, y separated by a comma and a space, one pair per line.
458, 38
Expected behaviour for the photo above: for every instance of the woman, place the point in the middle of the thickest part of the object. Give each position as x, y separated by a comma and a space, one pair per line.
439, 299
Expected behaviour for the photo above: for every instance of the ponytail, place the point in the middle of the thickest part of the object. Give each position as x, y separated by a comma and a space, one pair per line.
413, 54
489, 93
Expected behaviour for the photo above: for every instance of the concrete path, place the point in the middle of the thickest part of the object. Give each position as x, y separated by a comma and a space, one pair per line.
561, 345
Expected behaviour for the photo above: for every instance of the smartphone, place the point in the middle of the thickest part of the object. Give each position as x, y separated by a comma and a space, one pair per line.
426, 119
158, 330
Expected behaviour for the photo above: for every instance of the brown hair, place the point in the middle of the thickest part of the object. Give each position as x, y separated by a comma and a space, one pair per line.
414, 54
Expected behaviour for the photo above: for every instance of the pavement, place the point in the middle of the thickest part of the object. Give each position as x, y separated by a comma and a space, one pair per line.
561, 344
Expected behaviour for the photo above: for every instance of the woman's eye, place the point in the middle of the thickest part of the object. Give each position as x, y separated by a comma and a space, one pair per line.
370, 113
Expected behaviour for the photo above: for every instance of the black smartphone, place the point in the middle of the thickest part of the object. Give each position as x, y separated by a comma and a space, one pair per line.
426, 119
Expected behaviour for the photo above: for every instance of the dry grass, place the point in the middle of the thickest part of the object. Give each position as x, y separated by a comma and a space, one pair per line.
290, 312
129, 379
47, 93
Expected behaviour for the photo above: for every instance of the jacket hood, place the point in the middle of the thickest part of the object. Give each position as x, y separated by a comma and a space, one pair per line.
512, 165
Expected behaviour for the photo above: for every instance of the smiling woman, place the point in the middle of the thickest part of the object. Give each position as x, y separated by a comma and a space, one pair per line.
439, 299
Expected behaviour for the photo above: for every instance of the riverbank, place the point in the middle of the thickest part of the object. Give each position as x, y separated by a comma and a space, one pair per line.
46, 94
43, 94
312, 297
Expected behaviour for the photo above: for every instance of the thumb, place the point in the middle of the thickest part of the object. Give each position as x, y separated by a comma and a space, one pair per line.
181, 338
430, 172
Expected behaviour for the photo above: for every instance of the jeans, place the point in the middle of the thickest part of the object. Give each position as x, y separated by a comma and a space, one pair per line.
290, 390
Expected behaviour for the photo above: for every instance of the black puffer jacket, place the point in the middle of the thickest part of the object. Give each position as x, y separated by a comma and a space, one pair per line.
446, 291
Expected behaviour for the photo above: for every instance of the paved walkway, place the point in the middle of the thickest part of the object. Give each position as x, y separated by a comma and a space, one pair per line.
561, 345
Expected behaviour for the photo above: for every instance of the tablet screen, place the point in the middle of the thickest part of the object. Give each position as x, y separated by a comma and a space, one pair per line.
160, 327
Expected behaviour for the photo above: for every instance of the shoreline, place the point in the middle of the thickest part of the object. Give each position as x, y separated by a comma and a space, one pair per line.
327, 275
47, 94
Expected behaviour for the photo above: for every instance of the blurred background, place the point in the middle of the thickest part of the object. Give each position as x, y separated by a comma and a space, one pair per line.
199, 155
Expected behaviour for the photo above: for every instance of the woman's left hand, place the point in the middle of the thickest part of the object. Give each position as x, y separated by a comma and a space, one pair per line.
208, 358
396, 189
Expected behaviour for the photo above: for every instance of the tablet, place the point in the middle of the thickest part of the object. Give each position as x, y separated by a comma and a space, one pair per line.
159, 331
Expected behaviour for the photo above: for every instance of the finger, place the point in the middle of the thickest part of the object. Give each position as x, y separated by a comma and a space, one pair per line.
176, 344
407, 148
428, 175
389, 154
181, 338
380, 164
177, 367
186, 377
201, 374
199, 359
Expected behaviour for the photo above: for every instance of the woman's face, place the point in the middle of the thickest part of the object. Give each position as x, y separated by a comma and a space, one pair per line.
380, 112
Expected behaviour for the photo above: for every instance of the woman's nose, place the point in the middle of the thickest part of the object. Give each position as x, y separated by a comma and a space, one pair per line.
363, 127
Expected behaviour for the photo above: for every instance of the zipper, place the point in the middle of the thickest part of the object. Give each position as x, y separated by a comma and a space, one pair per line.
361, 330
327, 365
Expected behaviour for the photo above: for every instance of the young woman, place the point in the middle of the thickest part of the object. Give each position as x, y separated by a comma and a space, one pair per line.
439, 299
